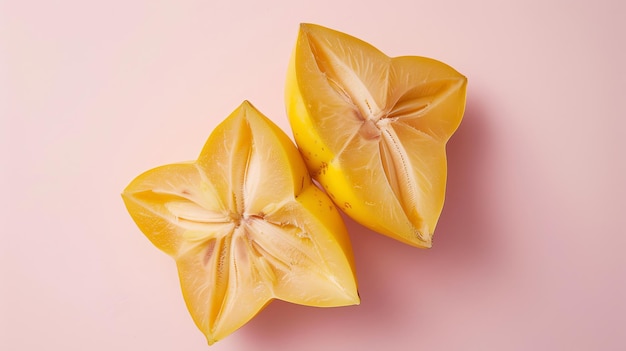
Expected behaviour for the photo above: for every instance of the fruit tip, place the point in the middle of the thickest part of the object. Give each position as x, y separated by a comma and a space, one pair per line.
358, 298
425, 240
246, 104
125, 194
307, 27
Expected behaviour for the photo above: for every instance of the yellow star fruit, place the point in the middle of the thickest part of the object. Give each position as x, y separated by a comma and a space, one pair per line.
245, 225
373, 129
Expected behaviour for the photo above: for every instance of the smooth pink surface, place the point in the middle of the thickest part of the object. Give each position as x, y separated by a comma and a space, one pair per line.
529, 251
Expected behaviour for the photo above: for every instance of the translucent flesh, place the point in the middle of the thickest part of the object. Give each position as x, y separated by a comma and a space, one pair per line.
385, 122
245, 225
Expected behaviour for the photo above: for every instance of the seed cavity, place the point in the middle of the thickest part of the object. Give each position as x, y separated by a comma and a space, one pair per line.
369, 130
399, 172
344, 78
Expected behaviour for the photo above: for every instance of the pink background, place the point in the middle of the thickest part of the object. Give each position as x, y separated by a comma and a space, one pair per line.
528, 254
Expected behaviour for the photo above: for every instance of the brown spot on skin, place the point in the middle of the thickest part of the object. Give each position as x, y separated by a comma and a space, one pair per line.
186, 192
316, 173
323, 168
347, 205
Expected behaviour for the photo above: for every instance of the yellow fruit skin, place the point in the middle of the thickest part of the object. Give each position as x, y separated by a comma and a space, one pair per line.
240, 241
348, 191
325, 212
313, 152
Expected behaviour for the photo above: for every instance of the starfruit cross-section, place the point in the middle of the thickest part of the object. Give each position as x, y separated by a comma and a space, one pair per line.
245, 225
373, 129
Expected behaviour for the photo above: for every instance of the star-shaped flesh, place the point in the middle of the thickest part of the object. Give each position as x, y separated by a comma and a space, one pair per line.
373, 129
245, 225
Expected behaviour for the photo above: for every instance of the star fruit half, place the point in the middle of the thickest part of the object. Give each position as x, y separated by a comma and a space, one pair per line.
245, 225
373, 129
